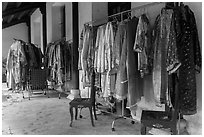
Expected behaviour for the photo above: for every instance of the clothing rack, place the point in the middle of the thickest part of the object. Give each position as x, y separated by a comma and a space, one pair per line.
127, 11
111, 16
20, 40
64, 40
24, 42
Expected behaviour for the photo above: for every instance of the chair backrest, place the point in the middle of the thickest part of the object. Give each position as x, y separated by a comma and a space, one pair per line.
38, 79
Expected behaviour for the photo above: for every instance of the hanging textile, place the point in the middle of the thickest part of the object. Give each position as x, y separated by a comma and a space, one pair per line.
87, 56
15, 60
104, 59
99, 50
144, 48
142, 44
190, 57
33, 54
109, 59
98, 59
58, 61
121, 56
34, 60
21, 57
135, 82
165, 54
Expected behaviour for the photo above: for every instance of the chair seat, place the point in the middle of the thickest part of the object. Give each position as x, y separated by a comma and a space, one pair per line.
156, 115
80, 101
158, 119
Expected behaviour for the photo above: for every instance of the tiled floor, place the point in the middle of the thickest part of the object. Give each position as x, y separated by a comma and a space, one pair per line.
50, 116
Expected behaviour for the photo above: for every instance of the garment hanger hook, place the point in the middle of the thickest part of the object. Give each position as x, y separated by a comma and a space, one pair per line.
134, 12
129, 15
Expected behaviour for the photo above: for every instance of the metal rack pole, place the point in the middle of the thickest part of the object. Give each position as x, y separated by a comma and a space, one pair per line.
133, 9
122, 99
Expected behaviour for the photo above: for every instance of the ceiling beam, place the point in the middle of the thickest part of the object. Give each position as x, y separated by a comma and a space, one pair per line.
18, 4
4, 6
31, 12
14, 22
10, 18
27, 7
21, 14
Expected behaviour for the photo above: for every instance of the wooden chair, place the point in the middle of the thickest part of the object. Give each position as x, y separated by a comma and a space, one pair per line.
37, 80
84, 103
161, 119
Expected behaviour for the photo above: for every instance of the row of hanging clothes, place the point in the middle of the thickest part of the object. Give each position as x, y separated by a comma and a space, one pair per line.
126, 54
21, 57
58, 61
181, 57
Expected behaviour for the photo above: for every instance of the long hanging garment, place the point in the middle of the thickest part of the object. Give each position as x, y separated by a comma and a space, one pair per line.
121, 88
165, 55
15, 60
190, 57
135, 83
109, 64
87, 56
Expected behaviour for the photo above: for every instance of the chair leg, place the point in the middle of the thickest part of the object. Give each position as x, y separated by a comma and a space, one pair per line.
143, 129
44, 92
76, 112
94, 109
48, 93
23, 95
29, 94
80, 116
174, 131
59, 95
91, 114
71, 114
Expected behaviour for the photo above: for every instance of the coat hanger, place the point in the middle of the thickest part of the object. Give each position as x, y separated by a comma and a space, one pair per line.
129, 15
115, 19
146, 13
15, 39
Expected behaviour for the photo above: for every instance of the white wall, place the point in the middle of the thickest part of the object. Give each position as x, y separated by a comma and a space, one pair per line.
151, 11
99, 11
49, 21
68, 14
85, 13
54, 20
36, 30
57, 22
19, 31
